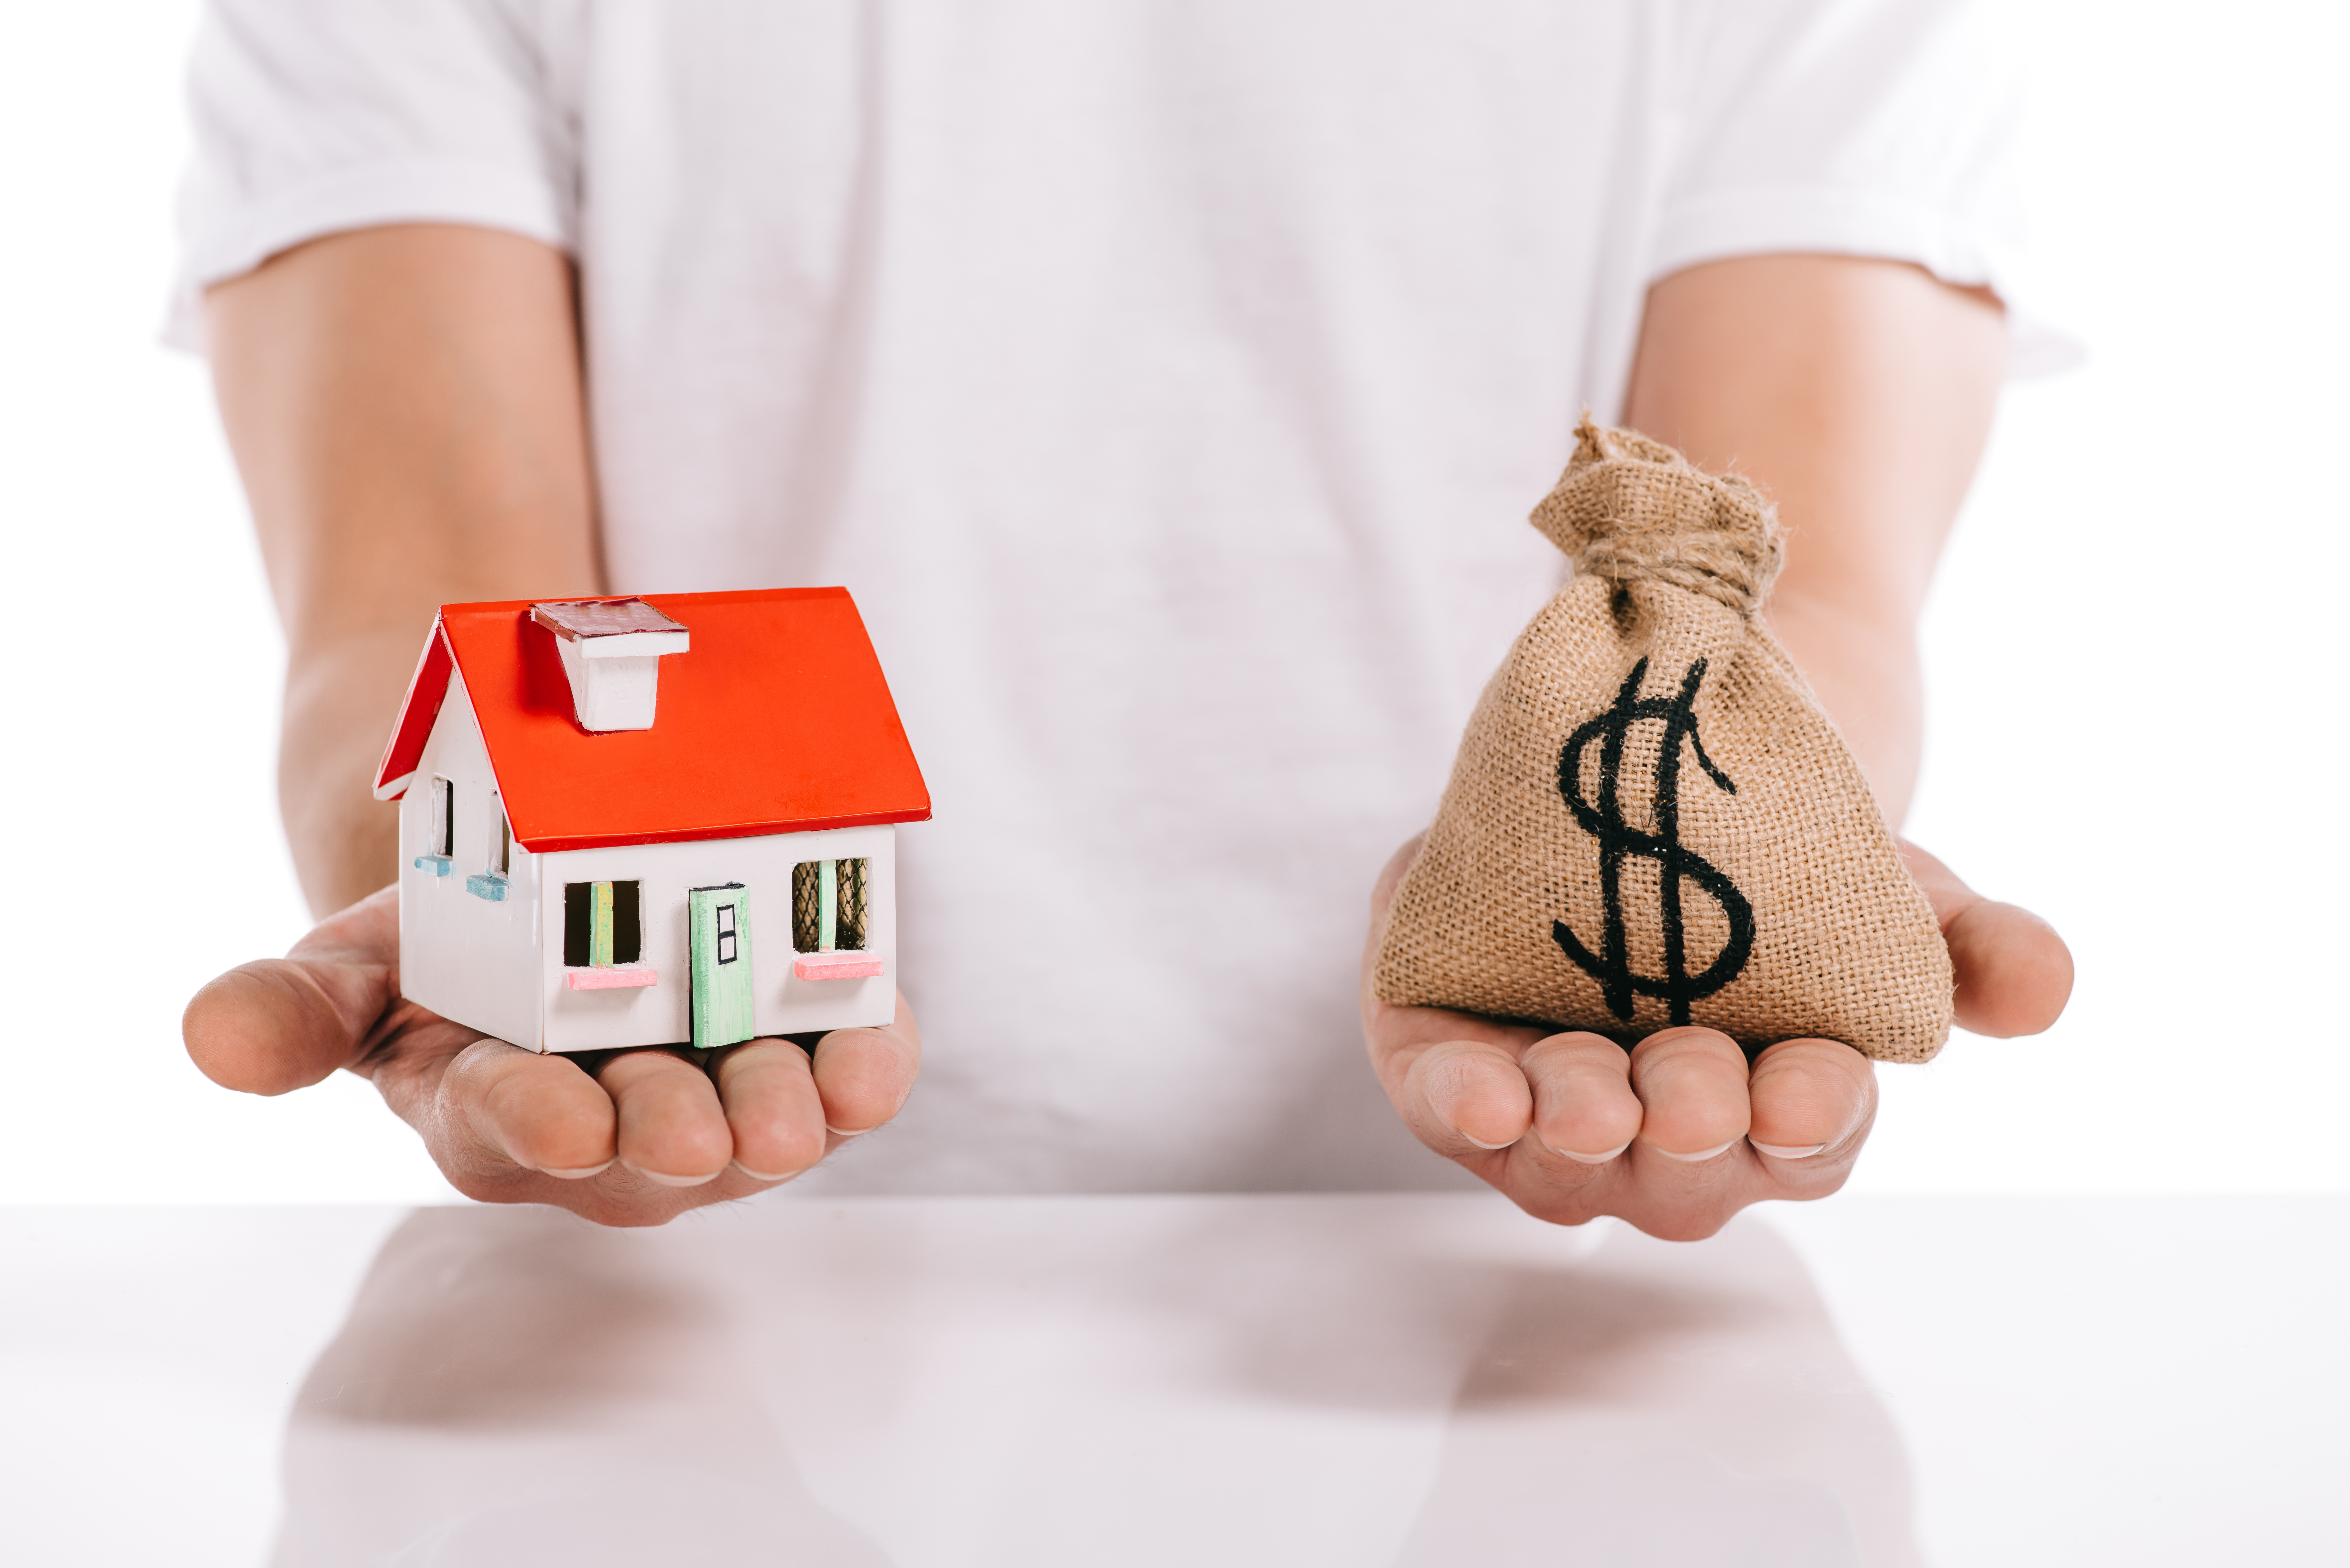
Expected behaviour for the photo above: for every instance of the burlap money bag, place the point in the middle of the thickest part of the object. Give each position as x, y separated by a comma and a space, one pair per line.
1652, 821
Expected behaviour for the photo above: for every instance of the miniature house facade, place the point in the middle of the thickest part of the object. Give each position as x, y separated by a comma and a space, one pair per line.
647, 822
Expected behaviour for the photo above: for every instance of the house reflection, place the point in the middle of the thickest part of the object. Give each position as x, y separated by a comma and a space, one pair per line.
1414, 1379
514, 1386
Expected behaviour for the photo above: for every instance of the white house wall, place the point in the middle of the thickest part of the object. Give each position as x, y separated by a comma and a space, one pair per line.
660, 1015
471, 959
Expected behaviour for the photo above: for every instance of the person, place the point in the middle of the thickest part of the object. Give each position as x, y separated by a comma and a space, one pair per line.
1170, 383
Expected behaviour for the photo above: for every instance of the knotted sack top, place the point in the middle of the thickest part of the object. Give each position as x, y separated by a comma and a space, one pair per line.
1628, 508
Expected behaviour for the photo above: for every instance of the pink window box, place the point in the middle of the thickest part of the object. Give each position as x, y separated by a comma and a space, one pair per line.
619, 977
844, 965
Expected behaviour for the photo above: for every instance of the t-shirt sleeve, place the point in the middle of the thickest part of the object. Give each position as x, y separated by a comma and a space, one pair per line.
314, 116
1876, 128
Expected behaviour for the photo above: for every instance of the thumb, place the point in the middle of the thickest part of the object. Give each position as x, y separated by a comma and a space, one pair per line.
277, 1024
2014, 973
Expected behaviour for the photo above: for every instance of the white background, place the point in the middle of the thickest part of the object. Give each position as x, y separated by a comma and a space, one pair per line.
2136, 648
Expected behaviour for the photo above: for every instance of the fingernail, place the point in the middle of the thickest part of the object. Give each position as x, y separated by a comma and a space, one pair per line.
846, 1132
666, 1180
1590, 1159
581, 1174
1698, 1158
760, 1175
1788, 1150
1481, 1143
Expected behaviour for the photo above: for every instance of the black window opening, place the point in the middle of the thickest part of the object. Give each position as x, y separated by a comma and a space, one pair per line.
441, 819
725, 933
845, 909
603, 924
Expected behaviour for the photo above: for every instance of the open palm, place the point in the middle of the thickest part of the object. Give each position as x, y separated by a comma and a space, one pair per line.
1680, 1132
623, 1137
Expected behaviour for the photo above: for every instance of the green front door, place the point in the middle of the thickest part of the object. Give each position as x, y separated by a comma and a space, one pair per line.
718, 932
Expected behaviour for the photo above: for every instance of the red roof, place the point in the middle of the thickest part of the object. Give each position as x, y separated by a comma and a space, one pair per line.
777, 720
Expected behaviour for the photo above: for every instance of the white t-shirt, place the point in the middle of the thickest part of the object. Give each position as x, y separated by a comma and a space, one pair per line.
1169, 380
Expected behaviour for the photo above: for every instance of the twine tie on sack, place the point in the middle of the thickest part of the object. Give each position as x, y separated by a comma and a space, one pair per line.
1630, 508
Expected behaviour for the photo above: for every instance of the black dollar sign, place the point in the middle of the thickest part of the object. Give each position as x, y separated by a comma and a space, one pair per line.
1618, 982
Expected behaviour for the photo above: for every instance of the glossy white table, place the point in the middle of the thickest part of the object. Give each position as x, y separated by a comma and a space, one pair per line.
1320, 1380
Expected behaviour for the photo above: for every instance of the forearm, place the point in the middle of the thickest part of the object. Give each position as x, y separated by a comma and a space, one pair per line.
341, 697
404, 405
1858, 394
1866, 672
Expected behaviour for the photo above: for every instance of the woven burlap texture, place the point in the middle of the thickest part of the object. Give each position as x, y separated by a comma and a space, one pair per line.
1767, 812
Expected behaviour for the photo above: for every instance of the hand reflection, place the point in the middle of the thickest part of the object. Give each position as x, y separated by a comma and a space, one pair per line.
1665, 1405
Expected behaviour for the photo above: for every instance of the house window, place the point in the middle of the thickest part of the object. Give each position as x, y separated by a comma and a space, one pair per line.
501, 837
441, 819
828, 905
602, 924
725, 933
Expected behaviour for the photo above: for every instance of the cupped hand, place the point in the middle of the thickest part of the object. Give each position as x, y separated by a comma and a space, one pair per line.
623, 1137
1680, 1132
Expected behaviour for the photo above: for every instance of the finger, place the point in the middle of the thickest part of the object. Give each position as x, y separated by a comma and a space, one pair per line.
497, 1104
1584, 1107
772, 1107
1585, 1117
2014, 973
1692, 1087
1464, 1097
285, 1023
1812, 1100
863, 1075
671, 1129
266, 1028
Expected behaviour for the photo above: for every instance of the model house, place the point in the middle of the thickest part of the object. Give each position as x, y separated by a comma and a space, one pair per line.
647, 822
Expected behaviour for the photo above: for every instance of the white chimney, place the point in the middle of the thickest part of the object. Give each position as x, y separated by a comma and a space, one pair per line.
611, 650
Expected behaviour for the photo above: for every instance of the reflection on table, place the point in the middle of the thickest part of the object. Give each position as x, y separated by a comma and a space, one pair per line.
1342, 1380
